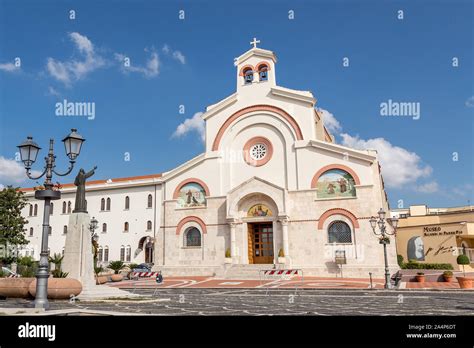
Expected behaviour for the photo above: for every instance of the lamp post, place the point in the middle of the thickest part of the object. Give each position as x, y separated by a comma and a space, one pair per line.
94, 238
384, 237
28, 153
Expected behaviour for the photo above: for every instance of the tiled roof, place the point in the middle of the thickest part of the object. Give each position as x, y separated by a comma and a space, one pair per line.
98, 182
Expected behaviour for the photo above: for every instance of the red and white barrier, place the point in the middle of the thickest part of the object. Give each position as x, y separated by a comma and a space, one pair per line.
281, 272
144, 274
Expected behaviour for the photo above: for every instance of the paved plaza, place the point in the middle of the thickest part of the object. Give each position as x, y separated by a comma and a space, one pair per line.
208, 302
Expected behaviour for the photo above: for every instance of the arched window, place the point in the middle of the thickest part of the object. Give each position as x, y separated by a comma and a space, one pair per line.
122, 253
31, 210
125, 227
127, 203
248, 75
65, 229
339, 232
128, 253
69, 207
104, 227
192, 237
102, 204
51, 208
31, 231
106, 254
263, 72
100, 254
148, 225
64, 207
150, 201
36, 209
108, 204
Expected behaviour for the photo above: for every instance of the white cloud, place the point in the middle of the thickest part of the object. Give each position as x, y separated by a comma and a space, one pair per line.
463, 190
179, 57
53, 92
470, 102
193, 124
9, 67
330, 122
12, 172
429, 187
73, 70
151, 68
399, 166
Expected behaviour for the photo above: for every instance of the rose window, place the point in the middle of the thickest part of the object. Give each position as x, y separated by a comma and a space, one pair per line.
258, 151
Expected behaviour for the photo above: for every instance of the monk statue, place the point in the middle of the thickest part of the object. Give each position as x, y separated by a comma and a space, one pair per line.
80, 182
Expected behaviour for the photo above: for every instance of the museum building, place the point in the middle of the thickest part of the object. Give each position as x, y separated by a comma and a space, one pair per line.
272, 189
436, 235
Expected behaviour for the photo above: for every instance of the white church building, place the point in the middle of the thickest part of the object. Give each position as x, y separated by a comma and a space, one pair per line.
272, 189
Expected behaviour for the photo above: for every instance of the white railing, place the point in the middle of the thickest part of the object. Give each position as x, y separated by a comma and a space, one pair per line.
468, 251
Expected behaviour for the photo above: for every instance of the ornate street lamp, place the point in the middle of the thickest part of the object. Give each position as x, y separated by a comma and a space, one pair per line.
28, 153
384, 238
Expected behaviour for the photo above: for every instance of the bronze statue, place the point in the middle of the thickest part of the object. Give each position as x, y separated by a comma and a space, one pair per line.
80, 182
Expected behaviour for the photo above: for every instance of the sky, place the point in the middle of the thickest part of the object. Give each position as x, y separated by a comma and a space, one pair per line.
353, 56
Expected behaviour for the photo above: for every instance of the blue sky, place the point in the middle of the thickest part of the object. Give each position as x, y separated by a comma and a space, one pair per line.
190, 62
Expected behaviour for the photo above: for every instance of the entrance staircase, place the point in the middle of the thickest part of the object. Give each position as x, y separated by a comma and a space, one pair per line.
245, 271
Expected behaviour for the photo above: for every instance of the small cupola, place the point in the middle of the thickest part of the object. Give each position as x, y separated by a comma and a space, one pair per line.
256, 67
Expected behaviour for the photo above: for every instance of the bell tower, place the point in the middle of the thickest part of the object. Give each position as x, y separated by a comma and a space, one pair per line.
255, 69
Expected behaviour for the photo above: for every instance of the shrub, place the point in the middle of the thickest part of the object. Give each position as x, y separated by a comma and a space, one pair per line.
116, 266
1, 273
27, 261
98, 270
416, 265
227, 253
420, 273
447, 273
400, 260
57, 273
463, 260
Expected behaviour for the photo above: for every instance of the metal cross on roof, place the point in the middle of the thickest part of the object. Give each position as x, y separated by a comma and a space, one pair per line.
254, 42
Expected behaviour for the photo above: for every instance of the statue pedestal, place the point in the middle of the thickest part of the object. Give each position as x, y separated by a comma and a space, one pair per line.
78, 259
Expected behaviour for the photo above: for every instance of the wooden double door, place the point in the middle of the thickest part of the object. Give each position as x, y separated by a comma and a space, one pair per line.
260, 242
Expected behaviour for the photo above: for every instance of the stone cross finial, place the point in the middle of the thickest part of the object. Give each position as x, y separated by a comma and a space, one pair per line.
254, 42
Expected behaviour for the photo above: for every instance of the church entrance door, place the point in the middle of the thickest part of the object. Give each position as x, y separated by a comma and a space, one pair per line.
260, 242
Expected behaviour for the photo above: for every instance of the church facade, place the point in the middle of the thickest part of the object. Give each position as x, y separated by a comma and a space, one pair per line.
272, 189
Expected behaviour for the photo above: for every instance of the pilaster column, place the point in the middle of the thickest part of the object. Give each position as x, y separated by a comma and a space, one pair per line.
284, 230
233, 248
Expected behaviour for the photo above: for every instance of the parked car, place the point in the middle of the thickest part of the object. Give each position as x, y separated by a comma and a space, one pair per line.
143, 267
9, 273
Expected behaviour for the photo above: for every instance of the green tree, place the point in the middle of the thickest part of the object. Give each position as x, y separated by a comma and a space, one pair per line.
12, 231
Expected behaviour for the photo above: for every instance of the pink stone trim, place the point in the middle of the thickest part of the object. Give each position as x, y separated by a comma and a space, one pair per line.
253, 108
250, 143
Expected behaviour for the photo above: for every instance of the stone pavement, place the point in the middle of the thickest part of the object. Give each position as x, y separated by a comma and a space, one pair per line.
288, 283
202, 301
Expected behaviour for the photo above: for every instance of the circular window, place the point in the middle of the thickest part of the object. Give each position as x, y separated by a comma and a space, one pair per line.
258, 151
